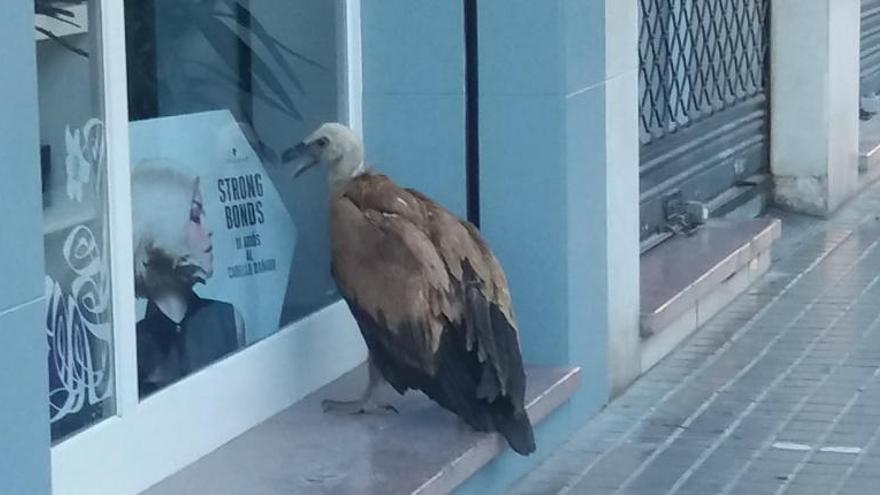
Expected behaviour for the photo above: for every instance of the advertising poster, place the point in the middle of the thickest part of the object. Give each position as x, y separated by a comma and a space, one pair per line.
213, 244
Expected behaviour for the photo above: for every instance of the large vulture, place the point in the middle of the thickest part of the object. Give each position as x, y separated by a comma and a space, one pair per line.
430, 298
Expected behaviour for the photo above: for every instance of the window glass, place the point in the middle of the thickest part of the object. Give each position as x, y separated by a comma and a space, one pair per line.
74, 177
227, 247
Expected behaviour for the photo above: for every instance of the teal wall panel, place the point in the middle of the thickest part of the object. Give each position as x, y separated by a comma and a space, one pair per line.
24, 414
21, 238
24, 417
413, 95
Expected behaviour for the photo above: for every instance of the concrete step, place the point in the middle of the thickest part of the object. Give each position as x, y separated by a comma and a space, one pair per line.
869, 144
423, 449
869, 152
687, 280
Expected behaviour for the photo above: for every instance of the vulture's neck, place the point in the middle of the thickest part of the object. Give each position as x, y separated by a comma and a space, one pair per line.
340, 177
359, 170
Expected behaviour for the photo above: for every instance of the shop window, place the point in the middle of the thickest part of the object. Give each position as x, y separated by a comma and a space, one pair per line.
77, 244
227, 247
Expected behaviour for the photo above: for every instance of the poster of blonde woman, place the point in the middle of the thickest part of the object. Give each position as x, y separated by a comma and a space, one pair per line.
213, 244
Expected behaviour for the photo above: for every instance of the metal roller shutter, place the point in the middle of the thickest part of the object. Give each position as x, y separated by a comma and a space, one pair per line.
870, 47
704, 111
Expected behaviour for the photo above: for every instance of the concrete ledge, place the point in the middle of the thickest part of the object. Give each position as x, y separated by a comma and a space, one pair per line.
746, 200
424, 449
657, 346
687, 280
869, 152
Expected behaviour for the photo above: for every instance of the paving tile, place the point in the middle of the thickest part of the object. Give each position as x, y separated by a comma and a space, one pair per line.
858, 487
810, 489
757, 487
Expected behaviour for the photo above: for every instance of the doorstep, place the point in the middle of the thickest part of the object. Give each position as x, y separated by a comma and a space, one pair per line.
687, 280
869, 144
869, 151
423, 449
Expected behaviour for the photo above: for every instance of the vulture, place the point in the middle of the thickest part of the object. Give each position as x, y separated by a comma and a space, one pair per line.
430, 298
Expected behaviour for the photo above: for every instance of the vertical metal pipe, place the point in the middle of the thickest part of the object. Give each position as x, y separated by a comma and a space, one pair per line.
472, 111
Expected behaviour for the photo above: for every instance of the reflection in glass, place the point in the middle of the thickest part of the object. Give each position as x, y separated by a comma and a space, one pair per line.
217, 89
74, 172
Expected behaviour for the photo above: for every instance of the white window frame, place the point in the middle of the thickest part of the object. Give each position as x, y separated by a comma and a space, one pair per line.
148, 440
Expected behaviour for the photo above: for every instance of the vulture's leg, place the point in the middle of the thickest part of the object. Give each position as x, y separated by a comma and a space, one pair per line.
367, 404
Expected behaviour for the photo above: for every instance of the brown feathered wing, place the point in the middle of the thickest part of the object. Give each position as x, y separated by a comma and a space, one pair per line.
432, 304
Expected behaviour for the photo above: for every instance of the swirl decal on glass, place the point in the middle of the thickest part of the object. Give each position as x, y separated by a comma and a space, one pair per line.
78, 327
78, 313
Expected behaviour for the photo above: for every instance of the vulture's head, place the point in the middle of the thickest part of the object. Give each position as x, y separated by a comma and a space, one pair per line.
332, 145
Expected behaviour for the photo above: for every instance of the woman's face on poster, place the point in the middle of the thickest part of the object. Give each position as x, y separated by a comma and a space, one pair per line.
199, 236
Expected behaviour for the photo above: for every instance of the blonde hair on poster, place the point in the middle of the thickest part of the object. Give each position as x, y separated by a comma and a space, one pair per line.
162, 197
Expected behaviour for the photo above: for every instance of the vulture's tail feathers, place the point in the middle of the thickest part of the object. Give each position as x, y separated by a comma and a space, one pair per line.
518, 431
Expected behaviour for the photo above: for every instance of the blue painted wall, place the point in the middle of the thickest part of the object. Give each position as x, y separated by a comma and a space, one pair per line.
413, 100
24, 423
543, 196
542, 125
543, 173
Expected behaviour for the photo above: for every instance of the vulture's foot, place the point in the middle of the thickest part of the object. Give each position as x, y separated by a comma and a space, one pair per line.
357, 407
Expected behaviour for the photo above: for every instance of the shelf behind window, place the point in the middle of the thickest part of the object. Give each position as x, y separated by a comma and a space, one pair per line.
61, 28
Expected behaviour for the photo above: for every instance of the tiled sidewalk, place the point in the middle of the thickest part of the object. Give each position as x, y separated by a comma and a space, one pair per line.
780, 393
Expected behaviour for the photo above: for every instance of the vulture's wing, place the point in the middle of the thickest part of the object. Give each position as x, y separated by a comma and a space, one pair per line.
486, 309
409, 263
387, 266
430, 296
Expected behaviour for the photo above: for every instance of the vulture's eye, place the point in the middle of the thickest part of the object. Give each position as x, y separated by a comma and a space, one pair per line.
323, 142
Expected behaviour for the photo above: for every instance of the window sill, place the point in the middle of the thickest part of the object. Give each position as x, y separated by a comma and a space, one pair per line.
302, 450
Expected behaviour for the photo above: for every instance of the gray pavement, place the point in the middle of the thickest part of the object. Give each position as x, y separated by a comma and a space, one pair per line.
780, 393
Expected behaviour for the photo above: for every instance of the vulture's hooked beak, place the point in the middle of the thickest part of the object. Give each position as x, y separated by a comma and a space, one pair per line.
301, 158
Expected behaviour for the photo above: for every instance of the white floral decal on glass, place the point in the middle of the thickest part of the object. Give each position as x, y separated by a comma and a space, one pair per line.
85, 150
